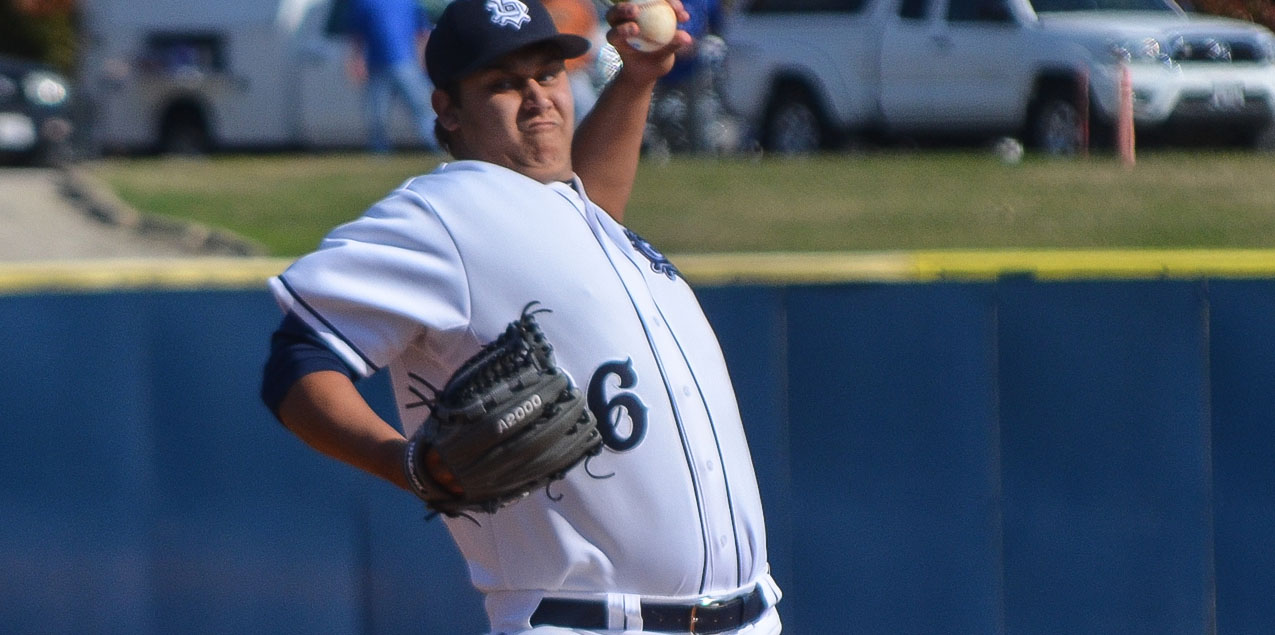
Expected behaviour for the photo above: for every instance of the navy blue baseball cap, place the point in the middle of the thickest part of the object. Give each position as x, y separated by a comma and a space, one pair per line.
471, 34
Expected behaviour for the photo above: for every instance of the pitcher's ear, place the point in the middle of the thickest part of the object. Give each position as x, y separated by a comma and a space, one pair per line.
445, 108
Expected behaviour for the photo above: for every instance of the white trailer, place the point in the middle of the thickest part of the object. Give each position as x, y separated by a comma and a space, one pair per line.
188, 76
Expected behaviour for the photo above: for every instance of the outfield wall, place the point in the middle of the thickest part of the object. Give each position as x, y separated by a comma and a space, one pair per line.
947, 443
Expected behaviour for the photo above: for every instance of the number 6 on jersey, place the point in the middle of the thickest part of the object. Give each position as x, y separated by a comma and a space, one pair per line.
624, 405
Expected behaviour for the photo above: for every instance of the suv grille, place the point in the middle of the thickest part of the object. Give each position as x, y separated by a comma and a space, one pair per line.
1207, 49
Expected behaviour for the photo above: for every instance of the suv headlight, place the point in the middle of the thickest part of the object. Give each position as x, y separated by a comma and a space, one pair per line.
1140, 51
1266, 49
44, 89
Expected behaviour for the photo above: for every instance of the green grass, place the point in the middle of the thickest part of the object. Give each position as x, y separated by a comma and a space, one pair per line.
885, 201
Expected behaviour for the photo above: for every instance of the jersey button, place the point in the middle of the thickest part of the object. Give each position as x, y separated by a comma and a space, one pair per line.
686, 390
710, 464
721, 541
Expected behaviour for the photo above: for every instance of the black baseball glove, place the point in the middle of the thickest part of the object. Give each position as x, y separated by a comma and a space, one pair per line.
508, 422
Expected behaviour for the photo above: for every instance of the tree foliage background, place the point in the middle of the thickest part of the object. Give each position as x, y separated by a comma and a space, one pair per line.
1259, 11
39, 29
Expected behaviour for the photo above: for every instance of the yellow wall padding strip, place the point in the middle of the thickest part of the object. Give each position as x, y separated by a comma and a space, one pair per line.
927, 266
757, 268
1098, 264
148, 273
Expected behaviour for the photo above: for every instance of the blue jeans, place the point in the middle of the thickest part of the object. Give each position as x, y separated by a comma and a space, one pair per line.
409, 82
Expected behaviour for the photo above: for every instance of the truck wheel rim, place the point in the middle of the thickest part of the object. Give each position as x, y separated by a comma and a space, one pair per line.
1060, 130
794, 129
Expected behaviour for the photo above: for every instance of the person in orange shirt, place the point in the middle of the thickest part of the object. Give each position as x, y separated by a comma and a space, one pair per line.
579, 17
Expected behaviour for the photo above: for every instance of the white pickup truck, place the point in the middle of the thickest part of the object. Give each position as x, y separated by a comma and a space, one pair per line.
812, 74
188, 76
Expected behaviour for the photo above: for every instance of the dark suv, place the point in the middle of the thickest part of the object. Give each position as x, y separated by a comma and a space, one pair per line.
35, 113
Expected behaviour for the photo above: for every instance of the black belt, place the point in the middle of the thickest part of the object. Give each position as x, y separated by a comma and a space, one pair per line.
707, 617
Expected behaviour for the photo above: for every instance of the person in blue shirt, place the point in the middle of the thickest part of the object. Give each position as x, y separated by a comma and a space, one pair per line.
388, 39
686, 108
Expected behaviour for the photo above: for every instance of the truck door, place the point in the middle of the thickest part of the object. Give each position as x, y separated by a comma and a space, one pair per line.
953, 66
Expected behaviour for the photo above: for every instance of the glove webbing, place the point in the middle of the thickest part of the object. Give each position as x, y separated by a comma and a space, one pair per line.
522, 349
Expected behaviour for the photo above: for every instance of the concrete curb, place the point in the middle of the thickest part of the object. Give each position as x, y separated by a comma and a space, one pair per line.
99, 202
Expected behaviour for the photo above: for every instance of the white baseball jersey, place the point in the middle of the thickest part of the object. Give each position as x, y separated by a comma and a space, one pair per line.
423, 279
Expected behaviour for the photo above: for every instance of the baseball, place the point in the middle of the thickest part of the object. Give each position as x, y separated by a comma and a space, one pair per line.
656, 25
1009, 149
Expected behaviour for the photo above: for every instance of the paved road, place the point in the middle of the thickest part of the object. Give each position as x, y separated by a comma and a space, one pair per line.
37, 222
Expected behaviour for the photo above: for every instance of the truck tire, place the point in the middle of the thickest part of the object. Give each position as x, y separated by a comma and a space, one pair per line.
794, 123
184, 131
1055, 127
1263, 139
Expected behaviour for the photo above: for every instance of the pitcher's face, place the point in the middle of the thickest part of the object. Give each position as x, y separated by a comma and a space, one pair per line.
517, 113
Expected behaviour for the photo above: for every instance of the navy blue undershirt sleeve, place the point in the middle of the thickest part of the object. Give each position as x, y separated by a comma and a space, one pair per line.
295, 351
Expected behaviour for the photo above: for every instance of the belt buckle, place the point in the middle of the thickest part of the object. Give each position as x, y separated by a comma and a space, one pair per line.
703, 603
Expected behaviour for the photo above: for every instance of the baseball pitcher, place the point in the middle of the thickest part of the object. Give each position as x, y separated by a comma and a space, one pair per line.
565, 407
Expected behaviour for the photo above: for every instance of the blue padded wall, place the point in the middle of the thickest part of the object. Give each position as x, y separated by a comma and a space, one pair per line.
1104, 419
892, 405
1242, 374
1008, 457
146, 490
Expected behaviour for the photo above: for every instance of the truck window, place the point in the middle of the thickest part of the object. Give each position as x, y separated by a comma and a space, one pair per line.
1045, 6
338, 23
806, 6
989, 11
183, 54
913, 9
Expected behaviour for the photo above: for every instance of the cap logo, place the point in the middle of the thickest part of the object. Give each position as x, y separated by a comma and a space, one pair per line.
512, 13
